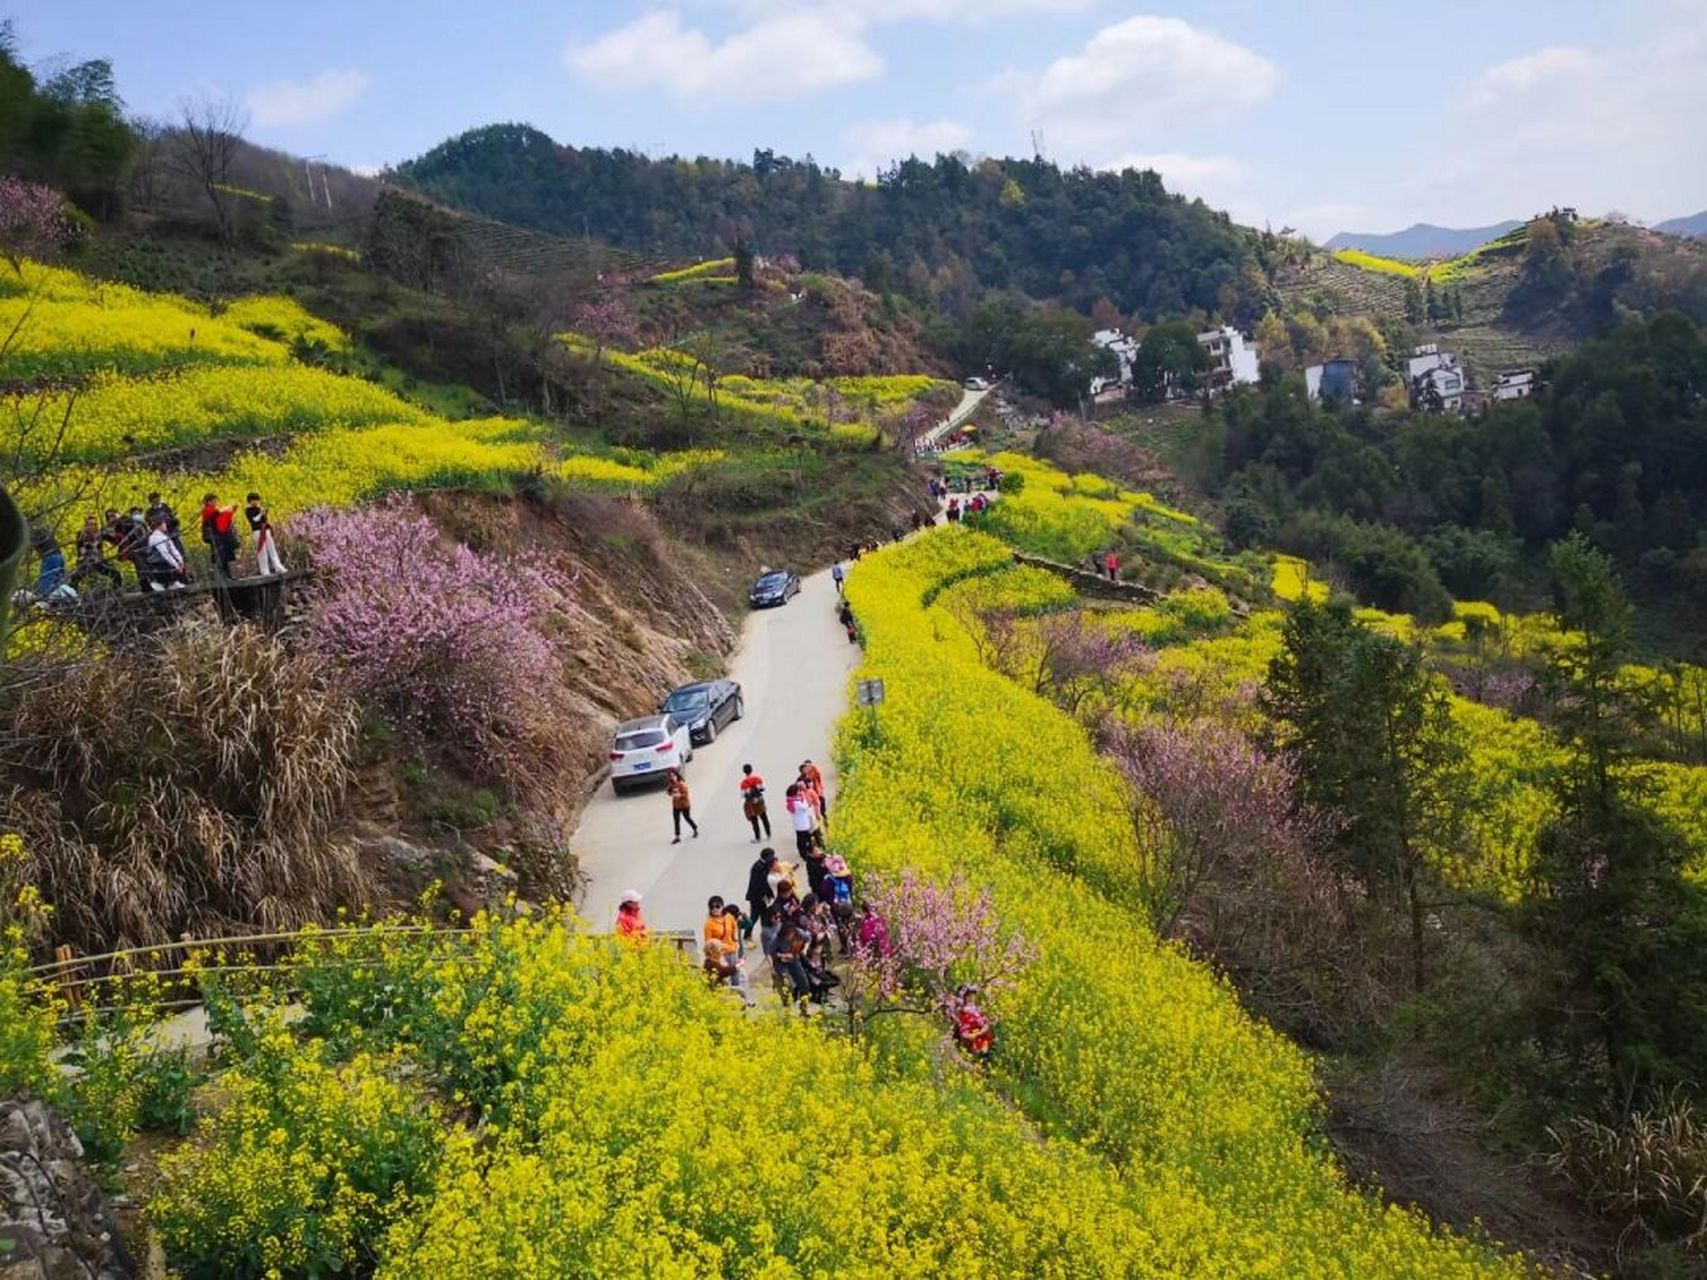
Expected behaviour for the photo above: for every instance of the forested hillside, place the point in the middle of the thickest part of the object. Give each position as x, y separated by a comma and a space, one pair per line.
945, 230
1531, 293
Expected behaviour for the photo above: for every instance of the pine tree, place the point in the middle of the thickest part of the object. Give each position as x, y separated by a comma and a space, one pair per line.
1612, 903
1372, 733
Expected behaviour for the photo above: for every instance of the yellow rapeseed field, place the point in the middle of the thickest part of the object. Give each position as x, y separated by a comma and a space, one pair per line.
1111, 1039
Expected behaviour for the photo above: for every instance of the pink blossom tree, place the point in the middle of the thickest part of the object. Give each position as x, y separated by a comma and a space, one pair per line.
608, 322
33, 222
912, 425
1069, 658
1238, 877
450, 644
1220, 808
939, 945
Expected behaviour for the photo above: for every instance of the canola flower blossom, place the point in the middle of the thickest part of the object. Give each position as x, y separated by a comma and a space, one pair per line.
73, 325
1119, 1043
844, 408
159, 373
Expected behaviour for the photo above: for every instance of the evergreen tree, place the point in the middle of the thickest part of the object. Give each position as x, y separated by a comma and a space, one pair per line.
1631, 934
1413, 301
744, 265
1372, 732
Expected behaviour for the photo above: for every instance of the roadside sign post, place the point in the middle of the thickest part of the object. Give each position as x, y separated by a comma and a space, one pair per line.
869, 696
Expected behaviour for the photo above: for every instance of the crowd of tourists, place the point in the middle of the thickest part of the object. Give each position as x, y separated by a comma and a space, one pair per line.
150, 543
796, 933
804, 912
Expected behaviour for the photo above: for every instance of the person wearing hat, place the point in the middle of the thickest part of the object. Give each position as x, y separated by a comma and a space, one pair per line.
630, 921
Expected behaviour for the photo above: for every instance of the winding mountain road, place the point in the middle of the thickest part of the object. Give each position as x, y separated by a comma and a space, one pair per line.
793, 665
969, 400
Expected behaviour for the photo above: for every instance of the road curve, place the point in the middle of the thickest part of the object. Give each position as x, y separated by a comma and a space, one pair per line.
793, 665
969, 400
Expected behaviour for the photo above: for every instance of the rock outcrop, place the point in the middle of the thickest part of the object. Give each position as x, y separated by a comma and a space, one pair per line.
54, 1221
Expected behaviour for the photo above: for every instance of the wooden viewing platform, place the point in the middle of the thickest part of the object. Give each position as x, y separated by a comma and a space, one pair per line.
258, 598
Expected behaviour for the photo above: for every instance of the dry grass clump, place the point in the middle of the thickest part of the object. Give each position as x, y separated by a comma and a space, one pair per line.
1648, 1173
190, 784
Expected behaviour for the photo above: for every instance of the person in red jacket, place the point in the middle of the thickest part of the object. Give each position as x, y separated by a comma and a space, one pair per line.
1112, 565
219, 531
630, 921
971, 1028
753, 802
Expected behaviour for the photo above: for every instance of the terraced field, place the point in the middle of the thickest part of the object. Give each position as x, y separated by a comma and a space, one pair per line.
143, 392
1482, 282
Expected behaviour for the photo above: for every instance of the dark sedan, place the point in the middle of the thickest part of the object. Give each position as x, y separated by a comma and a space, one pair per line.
774, 587
705, 708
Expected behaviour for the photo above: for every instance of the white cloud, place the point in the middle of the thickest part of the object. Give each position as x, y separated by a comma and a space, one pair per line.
1619, 131
1190, 174
311, 101
975, 11
780, 56
1521, 76
878, 142
972, 11
1143, 77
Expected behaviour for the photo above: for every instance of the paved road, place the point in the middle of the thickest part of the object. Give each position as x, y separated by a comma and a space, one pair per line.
969, 400
793, 664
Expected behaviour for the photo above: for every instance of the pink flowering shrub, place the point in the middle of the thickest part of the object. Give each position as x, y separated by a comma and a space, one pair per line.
937, 943
33, 222
1240, 881
1218, 800
609, 322
451, 645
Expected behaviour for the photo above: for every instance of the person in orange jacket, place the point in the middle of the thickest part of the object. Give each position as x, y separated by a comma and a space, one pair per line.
719, 926
681, 805
813, 777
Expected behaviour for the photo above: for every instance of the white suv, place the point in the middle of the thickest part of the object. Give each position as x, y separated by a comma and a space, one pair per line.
647, 748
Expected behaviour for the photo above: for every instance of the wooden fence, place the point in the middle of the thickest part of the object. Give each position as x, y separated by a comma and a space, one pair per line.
82, 983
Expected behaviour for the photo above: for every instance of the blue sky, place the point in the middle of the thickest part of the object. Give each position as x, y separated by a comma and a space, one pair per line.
1322, 114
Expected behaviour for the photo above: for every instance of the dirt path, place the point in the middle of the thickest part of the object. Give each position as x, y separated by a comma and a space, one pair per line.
793, 664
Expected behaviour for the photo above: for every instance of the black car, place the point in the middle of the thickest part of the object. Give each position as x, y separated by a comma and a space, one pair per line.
774, 587
705, 707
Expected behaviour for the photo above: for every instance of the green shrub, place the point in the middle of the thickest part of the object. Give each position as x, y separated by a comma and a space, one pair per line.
124, 1080
302, 1169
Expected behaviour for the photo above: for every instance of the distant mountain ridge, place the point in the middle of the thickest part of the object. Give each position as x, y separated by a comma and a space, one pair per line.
1694, 225
1424, 240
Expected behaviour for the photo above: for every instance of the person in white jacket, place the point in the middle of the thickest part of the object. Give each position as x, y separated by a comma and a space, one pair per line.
167, 557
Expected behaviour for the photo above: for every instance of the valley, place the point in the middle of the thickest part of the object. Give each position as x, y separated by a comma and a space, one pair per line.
1228, 821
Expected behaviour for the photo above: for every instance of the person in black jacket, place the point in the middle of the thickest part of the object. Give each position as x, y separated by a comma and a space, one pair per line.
267, 561
760, 898
91, 557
